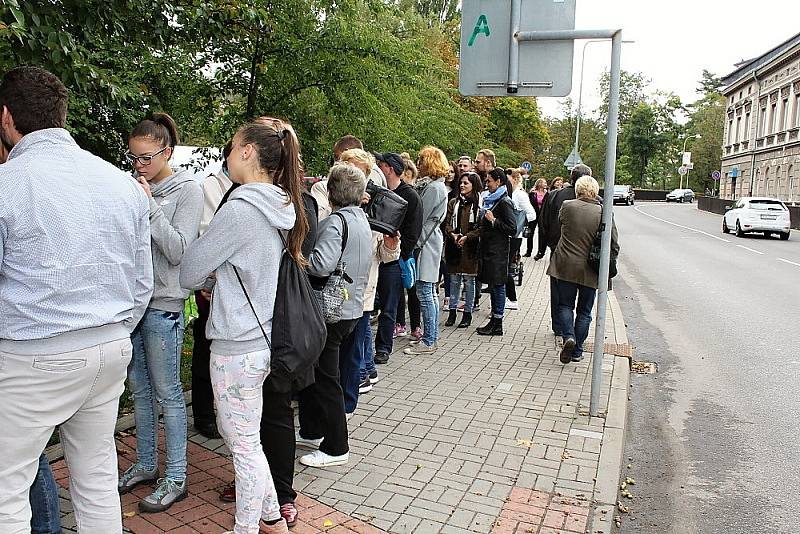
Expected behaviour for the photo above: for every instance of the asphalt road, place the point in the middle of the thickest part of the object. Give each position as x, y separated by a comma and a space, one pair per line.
713, 440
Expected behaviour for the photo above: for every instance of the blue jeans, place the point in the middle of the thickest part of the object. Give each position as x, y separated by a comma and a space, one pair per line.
575, 319
351, 356
389, 290
45, 514
498, 296
368, 363
557, 330
455, 291
429, 305
154, 375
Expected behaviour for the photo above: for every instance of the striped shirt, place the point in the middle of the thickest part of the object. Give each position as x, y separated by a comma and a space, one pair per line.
74, 241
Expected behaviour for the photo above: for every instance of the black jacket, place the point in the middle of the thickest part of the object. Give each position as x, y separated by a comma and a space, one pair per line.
494, 243
549, 227
411, 227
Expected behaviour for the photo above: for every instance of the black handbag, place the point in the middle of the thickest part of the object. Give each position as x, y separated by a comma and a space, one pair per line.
298, 327
385, 209
594, 253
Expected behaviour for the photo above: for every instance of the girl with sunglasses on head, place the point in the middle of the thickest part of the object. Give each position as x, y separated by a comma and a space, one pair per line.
176, 205
265, 160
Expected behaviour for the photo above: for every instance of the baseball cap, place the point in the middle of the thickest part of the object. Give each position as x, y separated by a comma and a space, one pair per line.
393, 160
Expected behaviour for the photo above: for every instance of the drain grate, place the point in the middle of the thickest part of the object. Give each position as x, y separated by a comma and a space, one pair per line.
643, 368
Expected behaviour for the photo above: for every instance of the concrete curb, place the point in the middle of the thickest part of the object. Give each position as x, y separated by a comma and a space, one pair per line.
613, 445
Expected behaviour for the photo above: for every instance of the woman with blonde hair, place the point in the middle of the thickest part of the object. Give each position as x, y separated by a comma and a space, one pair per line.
433, 167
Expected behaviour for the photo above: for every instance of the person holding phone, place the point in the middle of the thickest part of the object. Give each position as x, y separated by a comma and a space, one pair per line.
176, 205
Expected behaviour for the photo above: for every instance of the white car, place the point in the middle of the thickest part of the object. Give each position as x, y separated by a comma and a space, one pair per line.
757, 214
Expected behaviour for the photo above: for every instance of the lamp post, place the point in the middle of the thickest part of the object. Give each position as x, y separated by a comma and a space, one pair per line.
695, 136
580, 94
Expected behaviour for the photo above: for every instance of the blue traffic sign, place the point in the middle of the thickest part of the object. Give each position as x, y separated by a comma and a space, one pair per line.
526, 165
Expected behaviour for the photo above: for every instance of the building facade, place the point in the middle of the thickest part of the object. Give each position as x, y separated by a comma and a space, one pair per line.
761, 141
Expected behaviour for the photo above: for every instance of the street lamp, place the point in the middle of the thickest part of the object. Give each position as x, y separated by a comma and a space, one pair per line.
576, 158
695, 136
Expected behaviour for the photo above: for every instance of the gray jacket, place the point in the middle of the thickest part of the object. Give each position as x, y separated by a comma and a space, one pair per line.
175, 212
358, 254
244, 234
434, 209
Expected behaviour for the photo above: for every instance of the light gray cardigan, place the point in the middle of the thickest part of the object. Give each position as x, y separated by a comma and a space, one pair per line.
434, 209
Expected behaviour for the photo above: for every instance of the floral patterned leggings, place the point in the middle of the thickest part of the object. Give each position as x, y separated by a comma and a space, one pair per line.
237, 382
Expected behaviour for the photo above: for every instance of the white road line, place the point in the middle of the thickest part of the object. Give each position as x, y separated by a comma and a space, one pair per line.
750, 249
789, 262
682, 226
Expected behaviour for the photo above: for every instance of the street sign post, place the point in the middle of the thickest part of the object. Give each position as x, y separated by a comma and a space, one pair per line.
526, 165
683, 170
494, 63
716, 175
573, 159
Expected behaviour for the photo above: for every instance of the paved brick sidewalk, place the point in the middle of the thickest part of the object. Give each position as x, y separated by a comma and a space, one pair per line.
487, 435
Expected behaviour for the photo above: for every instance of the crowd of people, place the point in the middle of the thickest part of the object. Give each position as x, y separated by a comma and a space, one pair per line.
96, 266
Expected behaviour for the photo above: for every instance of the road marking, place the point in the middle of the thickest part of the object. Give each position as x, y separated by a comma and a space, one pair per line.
789, 262
750, 249
682, 226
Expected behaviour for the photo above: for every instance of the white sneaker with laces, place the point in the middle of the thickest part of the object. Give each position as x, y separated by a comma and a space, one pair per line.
320, 459
307, 442
512, 305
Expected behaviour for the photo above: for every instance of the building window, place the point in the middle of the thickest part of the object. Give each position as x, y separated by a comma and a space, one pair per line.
762, 122
773, 117
738, 129
784, 113
792, 185
746, 133
730, 131
777, 183
796, 120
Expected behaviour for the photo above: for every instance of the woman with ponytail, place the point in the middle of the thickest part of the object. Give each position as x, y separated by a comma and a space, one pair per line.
242, 250
176, 206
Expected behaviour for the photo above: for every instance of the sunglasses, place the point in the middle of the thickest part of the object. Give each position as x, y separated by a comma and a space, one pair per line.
143, 160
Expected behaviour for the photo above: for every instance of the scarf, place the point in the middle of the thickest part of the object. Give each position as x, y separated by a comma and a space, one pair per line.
455, 222
491, 199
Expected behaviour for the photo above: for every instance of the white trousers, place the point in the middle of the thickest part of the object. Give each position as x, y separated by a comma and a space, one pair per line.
79, 392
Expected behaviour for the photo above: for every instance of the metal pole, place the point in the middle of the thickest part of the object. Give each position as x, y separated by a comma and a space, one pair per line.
580, 98
608, 206
513, 51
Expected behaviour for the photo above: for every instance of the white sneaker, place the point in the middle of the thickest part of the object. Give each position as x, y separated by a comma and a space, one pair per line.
320, 459
420, 348
307, 442
347, 416
512, 305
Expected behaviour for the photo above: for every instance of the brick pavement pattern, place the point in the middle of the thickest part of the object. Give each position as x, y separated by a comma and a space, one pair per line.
486, 435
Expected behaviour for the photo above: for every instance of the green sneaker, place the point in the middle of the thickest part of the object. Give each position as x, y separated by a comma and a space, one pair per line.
135, 475
167, 493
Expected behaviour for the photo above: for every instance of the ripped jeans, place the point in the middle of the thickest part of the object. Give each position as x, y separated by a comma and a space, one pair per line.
237, 381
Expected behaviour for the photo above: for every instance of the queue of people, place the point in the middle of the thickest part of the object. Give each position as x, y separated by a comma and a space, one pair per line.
94, 291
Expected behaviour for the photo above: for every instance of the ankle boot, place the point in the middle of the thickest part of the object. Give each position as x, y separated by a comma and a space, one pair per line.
486, 330
451, 319
466, 320
497, 330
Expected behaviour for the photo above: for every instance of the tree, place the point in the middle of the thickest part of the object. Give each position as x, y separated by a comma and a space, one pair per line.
641, 140
517, 124
631, 93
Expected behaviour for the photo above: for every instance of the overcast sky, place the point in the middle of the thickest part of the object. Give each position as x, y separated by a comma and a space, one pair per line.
676, 40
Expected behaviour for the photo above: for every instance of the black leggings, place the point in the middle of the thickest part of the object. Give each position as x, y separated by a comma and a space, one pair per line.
413, 309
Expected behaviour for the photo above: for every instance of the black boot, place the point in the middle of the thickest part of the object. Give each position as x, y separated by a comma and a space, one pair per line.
451, 319
466, 320
498, 328
486, 330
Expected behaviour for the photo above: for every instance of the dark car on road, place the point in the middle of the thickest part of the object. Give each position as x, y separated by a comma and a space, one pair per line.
680, 195
623, 194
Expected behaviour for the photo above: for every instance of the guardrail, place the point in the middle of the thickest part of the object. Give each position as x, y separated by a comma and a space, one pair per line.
718, 205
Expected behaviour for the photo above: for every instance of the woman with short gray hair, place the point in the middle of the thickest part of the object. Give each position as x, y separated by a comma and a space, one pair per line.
323, 425
569, 267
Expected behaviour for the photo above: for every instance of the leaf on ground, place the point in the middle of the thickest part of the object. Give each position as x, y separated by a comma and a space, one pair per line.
524, 443
327, 523
129, 514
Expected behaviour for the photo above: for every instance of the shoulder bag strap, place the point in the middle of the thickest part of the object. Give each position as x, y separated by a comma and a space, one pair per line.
345, 232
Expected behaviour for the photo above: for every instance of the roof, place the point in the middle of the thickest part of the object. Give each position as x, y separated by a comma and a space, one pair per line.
744, 68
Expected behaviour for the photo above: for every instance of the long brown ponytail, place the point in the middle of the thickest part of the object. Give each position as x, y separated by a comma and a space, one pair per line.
279, 154
159, 127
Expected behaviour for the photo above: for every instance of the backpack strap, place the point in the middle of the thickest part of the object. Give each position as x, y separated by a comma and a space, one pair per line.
235, 270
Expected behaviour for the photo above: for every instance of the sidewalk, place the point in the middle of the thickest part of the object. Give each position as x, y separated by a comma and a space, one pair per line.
487, 435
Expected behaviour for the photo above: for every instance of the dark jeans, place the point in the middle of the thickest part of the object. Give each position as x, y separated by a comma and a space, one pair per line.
278, 442
575, 318
202, 396
414, 309
557, 329
390, 288
445, 276
498, 296
351, 355
45, 514
531, 231
322, 403
513, 250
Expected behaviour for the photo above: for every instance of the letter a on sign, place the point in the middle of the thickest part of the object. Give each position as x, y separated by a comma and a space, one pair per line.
482, 26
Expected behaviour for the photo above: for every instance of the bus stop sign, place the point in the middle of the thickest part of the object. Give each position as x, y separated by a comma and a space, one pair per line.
545, 67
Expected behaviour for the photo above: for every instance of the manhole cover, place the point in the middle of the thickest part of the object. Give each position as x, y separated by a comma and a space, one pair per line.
644, 368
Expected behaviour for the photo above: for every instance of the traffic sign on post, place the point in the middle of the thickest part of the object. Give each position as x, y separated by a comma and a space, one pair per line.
716, 175
683, 170
527, 166
545, 67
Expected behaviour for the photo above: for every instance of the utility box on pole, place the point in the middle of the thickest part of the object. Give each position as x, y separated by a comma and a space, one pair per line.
545, 67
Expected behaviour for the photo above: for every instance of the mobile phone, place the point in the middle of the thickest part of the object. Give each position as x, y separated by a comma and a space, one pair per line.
208, 285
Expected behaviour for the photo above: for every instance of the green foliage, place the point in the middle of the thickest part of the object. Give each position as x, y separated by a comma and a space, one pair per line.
517, 124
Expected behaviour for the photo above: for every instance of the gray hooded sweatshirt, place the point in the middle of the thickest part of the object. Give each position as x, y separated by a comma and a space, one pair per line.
175, 212
244, 234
